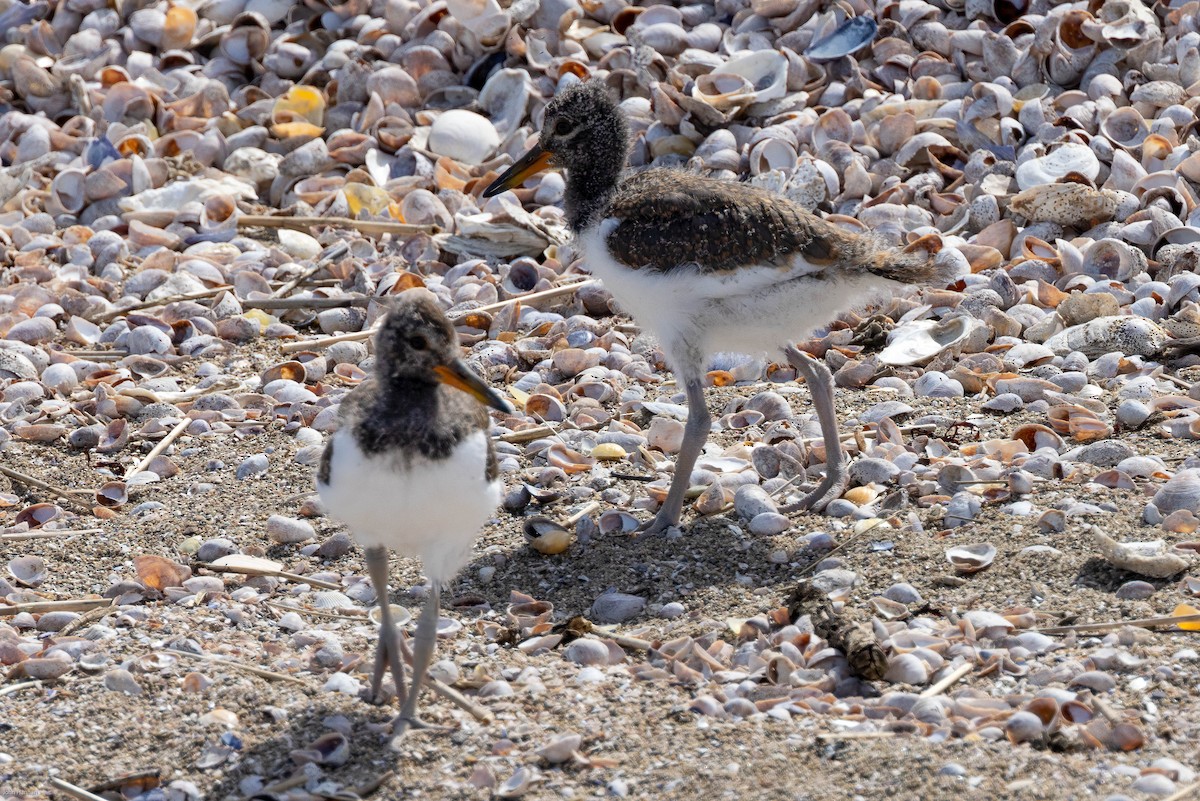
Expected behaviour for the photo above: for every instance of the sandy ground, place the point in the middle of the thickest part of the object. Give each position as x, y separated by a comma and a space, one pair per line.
639, 736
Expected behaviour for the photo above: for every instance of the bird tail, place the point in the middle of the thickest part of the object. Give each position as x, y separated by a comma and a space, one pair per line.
922, 262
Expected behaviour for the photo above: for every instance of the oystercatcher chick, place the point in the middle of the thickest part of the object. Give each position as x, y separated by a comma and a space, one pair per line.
411, 469
710, 266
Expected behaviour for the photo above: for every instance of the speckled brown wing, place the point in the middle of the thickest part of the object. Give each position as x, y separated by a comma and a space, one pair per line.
669, 218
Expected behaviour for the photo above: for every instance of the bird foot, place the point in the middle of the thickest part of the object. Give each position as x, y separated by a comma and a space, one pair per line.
829, 490
402, 725
659, 524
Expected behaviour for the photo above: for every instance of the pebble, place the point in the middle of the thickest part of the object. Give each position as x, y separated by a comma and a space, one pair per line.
586, 651
768, 524
287, 530
617, 607
253, 466
672, 610
1154, 784
1135, 590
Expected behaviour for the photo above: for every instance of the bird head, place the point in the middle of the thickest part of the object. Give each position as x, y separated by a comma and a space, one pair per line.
583, 128
417, 344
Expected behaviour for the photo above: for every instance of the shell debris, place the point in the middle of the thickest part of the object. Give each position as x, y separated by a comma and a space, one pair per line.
205, 206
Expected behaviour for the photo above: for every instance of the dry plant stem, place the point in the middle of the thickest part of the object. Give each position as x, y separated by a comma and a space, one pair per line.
948, 681
306, 303
65, 494
857, 735
1143, 623
45, 534
305, 224
840, 547
329, 257
38, 607
300, 610
146, 304
16, 688
458, 699
253, 571
74, 791
84, 620
621, 640
257, 671
162, 445
1186, 792
358, 336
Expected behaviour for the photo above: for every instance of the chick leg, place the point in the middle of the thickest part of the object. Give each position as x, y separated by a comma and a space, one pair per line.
694, 436
387, 650
422, 655
820, 386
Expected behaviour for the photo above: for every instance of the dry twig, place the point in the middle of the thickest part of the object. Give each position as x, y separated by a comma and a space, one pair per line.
39, 607
146, 304
28, 480
305, 224
1142, 623
948, 680
73, 790
160, 447
358, 336
257, 671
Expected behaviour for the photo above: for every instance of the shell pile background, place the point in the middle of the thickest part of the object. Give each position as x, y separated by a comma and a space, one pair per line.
1023, 441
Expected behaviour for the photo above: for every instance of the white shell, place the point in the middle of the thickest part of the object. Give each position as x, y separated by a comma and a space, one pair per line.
920, 340
463, 136
1059, 162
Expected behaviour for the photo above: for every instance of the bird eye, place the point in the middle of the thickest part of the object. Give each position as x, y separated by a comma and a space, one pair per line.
417, 343
562, 127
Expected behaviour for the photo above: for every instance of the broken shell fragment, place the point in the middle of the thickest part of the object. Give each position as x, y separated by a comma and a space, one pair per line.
971, 558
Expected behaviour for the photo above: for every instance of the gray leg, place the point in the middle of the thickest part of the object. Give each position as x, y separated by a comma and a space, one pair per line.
387, 651
820, 386
422, 655
694, 436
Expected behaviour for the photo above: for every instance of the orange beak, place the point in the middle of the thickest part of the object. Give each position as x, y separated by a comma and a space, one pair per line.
531, 163
458, 375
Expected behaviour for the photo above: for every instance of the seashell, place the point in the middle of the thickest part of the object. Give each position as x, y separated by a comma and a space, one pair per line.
1144, 558
918, 341
1060, 162
464, 136
971, 558
45, 669
753, 78
28, 571
563, 747
1023, 727
1068, 204
112, 494
849, 37
38, 514
547, 536
1180, 493
617, 607
586, 651
521, 782
1129, 335
68, 190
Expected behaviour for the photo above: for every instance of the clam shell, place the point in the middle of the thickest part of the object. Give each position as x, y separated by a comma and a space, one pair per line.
919, 341
28, 571
971, 558
1181, 493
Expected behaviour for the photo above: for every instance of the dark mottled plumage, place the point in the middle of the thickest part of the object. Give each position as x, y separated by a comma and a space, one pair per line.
403, 409
671, 218
412, 418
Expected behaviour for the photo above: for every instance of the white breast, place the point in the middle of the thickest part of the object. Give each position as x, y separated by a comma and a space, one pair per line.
427, 508
749, 310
